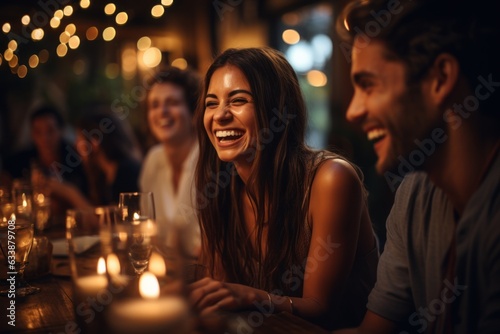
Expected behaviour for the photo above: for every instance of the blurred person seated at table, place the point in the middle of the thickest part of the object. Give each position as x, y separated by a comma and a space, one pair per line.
106, 149
50, 156
284, 228
426, 91
168, 169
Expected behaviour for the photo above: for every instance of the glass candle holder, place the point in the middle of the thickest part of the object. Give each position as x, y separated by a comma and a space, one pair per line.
154, 298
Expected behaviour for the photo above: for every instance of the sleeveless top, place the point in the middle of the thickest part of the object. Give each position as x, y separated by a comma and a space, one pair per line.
352, 306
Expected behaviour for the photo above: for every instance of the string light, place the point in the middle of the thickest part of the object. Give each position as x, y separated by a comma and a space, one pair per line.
144, 43
6, 27
121, 18
110, 9
157, 11
22, 71
84, 4
167, 2
55, 22
68, 10
92, 33
25, 20
33, 61
109, 34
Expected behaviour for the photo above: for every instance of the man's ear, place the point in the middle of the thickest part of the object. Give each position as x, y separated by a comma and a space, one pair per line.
444, 75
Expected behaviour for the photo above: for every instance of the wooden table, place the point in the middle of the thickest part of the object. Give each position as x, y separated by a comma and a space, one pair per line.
52, 311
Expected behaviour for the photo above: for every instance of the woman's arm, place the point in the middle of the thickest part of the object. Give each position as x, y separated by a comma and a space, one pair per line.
335, 210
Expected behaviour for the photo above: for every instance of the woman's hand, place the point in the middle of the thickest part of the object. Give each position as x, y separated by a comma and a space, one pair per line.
208, 295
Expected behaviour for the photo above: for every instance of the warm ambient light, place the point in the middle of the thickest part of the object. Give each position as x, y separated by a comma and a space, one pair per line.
8, 54
167, 2
101, 266
121, 18
113, 264
316, 78
110, 9
12, 45
22, 71
291, 36
6, 27
37, 34
85, 4
33, 61
109, 34
144, 43
148, 286
92, 33
157, 11
55, 22
68, 10
180, 63
61, 50
13, 63
25, 20
71, 29
64, 37
79, 67
157, 265
59, 14
74, 42
152, 57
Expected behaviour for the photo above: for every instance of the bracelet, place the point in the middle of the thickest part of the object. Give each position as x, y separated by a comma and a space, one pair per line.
271, 306
291, 304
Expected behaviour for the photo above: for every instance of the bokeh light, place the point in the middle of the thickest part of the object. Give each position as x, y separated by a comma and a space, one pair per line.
144, 43
25, 20
121, 18
291, 36
157, 11
74, 42
92, 33
62, 50
110, 9
316, 78
109, 34
33, 61
180, 63
152, 57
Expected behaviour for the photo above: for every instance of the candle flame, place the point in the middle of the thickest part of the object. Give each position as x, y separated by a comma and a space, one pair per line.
113, 264
157, 265
25, 203
101, 266
148, 286
136, 216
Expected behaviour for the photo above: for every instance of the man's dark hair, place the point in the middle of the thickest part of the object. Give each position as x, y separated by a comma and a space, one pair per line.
420, 30
187, 79
47, 110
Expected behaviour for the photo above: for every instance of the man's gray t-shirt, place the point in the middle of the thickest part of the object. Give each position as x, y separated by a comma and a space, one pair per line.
410, 288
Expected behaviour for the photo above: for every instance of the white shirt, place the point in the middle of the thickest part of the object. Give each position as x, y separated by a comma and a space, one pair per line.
172, 209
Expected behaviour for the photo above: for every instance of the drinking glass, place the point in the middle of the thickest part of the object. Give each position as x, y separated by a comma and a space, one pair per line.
137, 221
136, 207
16, 239
88, 238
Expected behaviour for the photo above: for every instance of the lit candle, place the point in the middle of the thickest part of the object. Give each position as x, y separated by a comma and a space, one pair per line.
90, 286
150, 314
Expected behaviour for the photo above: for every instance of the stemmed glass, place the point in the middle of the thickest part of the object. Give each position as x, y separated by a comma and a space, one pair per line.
137, 215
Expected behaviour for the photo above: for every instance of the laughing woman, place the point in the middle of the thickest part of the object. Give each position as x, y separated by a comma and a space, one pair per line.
284, 228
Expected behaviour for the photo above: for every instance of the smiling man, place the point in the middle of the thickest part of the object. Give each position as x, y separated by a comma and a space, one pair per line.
426, 79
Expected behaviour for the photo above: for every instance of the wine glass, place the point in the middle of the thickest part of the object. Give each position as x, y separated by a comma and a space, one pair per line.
137, 215
16, 239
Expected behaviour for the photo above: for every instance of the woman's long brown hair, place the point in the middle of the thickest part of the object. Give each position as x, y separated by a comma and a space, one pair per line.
276, 185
